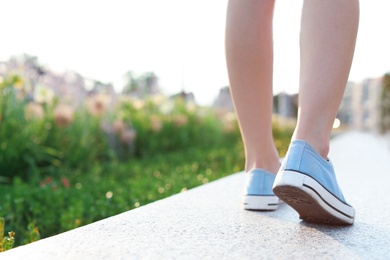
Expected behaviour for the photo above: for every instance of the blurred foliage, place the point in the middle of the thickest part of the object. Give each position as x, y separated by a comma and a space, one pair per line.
6, 242
62, 167
35, 140
385, 104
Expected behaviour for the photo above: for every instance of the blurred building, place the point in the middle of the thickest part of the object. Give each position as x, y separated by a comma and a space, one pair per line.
187, 97
224, 101
70, 87
286, 105
360, 107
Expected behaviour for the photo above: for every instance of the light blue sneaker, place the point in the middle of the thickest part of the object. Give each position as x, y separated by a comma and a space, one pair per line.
307, 183
258, 194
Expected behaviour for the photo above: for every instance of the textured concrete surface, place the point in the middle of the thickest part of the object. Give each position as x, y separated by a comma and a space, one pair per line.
208, 222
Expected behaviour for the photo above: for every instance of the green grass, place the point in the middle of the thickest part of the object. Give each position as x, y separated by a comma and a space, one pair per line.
108, 189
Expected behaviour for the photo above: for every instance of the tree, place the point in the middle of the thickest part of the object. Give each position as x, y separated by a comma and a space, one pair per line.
385, 103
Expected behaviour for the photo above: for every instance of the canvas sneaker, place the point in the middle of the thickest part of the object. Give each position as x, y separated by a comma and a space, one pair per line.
258, 194
307, 183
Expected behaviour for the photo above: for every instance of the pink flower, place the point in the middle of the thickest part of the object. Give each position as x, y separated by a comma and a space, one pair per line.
65, 182
34, 111
98, 104
118, 126
128, 136
46, 181
180, 120
155, 124
63, 115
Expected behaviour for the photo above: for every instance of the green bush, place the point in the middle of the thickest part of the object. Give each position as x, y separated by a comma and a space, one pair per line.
41, 138
181, 127
32, 141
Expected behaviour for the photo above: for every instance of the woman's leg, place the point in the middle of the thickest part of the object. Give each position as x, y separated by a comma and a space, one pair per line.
307, 181
328, 36
249, 56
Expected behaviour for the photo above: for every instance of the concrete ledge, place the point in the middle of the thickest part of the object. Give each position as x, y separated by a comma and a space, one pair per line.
208, 222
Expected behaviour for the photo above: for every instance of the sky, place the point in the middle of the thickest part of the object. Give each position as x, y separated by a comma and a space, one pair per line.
181, 41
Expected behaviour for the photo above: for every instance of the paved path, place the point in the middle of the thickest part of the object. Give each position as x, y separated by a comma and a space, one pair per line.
208, 222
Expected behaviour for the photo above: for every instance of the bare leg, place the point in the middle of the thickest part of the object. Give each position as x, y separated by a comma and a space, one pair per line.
249, 56
328, 36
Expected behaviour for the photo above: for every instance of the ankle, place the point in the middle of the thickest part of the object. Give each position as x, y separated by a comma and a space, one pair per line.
267, 162
322, 147
318, 136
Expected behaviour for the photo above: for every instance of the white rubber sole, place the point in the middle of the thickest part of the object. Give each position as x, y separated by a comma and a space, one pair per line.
260, 202
311, 200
